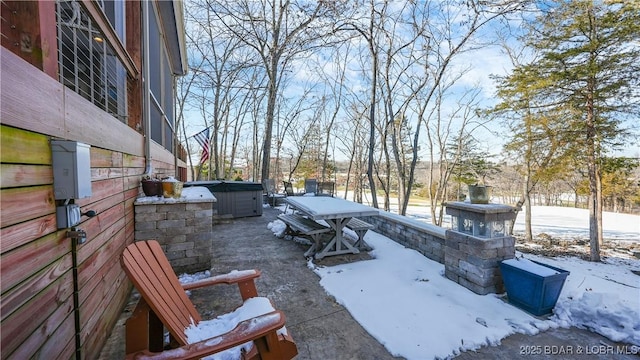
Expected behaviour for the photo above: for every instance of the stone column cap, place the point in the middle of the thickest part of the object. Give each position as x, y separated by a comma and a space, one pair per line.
194, 194
479, 208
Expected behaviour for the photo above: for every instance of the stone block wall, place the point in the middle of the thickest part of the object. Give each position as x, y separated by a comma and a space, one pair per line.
475, 263
425, 238
471, 261
476, 244
183, 227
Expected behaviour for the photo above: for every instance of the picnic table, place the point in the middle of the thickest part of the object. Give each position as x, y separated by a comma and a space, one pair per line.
337, 213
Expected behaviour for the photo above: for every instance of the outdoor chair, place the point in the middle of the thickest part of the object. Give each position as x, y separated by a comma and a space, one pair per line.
269, 187
164, 304
311, 186
288, 188
326, 188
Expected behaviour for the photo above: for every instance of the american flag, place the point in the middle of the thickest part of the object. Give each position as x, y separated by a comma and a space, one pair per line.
203, 139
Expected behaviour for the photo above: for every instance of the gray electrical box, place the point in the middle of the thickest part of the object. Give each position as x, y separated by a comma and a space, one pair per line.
71, 169
67, 216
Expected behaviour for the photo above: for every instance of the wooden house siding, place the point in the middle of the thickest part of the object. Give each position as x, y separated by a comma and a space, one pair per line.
36, 259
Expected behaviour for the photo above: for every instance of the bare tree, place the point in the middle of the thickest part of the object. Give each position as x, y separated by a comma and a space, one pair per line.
448, 132
183, 96
353, 144
277, 32
453, 39
400, 40
226, 79
333, 101
404, 55
368, 31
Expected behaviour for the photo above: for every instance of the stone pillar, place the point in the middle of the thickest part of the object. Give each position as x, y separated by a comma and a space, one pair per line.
476, 243
183, 227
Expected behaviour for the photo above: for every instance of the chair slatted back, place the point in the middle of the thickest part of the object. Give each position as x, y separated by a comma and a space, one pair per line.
327, 188
311, 186
269, 186
288, 188
148, 268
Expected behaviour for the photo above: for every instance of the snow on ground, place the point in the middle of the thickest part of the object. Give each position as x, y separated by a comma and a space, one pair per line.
404, 301
571, 223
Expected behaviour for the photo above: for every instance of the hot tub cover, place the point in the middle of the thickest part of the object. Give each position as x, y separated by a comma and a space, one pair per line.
226, 186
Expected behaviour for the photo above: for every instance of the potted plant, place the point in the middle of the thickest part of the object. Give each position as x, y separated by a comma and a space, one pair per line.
471, 168
479, 192
151, 186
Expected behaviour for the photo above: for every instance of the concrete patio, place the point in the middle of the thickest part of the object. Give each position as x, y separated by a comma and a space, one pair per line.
321, 328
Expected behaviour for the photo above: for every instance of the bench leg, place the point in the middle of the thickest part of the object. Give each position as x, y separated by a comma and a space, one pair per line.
288, 231
360, 244
316, 246
312, 250
335, 245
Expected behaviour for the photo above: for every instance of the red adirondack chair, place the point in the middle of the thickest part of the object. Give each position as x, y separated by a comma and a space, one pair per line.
164, 303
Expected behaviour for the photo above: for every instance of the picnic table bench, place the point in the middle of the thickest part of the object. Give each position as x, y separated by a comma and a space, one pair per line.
298, 225
360, 227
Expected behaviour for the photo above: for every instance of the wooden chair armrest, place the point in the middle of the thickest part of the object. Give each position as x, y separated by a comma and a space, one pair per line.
245, 331
233, 277
243, 278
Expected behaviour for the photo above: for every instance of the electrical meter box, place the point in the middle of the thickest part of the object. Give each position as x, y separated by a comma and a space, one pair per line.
71, 169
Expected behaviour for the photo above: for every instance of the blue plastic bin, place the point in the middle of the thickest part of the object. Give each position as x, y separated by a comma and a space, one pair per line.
532, 292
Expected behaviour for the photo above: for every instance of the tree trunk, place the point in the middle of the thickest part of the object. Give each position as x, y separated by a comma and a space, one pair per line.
599, 202
268, 127
595, 210
593, 228
346, 187
528, 235
372, 111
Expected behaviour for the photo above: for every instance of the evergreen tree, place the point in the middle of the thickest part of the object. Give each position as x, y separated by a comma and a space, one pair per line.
588, 72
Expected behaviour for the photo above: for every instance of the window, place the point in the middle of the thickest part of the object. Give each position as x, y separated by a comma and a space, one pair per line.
114, 10
88, 65
161, 83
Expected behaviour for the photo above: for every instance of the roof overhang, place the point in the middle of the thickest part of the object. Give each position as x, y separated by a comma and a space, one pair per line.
171, 13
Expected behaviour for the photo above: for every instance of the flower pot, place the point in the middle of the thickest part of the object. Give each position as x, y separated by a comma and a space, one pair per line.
152, 187
479, 194
531, 285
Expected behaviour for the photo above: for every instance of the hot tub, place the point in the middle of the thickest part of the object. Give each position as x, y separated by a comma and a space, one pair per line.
234, 198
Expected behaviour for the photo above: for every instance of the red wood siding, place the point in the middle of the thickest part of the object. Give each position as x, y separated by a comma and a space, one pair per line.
26, 29
37, 307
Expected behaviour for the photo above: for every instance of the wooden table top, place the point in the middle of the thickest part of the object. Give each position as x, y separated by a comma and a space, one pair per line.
326, 207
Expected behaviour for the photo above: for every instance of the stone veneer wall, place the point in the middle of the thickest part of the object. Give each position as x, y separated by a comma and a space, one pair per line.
469, 261
183, 227
475, 263
477, 244
427, 239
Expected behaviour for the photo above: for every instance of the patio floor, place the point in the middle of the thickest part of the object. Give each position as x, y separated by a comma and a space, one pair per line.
322, 328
